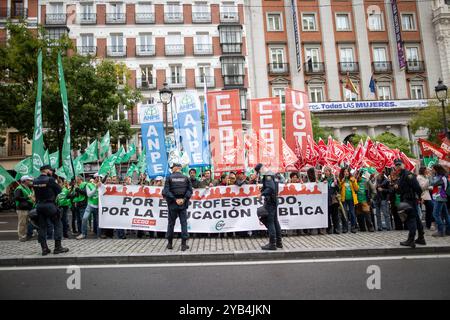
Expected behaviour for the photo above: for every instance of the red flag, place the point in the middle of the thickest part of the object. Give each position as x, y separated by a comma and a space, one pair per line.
321, 150
331, 157
388, 154
375, 156
289, 157
428, 149
409, 165
446, 145
311, 155
358, 156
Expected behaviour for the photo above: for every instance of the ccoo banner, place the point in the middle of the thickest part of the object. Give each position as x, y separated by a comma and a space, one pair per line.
213, 210
153, 140
266, 124
225, 129
298, 120
188, 112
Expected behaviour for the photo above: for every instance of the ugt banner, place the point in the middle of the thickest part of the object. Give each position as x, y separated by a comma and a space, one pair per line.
225, 128
213, 210
188, 112
266, 124
298, 120
153, 140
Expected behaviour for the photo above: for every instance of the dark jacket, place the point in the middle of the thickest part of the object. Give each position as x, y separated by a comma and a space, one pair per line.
408, 187
240, 182
23, 202
195, 183
270, 191
46, 189
384, 193
177, 186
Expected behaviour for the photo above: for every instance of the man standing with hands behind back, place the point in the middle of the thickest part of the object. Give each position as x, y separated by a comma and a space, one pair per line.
177, 192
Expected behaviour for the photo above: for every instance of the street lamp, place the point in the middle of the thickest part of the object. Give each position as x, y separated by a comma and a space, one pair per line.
441, 95
165, 96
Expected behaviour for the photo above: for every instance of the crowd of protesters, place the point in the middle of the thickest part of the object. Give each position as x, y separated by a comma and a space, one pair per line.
358, 201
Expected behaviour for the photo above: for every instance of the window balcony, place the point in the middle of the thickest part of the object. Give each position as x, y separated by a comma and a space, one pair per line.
87, 50
13, 13
348, 67
115, 18
200, 82
229, 47
145, 50
174, 49
415, 66
278, 68
229, 17
312, 68
18, 150
176, 82
201, 17
203, 49
55, 19
173, 17
87, 18
146, 84
382, 67
148, 17
116, 51
233, 80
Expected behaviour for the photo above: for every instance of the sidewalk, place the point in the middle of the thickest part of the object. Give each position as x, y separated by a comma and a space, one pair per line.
107, 251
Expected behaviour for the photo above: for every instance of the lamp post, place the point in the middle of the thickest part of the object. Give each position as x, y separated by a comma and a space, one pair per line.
441, 95
165, 96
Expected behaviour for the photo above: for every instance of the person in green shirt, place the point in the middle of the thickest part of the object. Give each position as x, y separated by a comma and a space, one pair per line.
363, 212
64, 204
79, 201
92, 207
24, 197
349, 199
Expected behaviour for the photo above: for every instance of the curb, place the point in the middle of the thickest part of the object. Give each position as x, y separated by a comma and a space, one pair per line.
19, 261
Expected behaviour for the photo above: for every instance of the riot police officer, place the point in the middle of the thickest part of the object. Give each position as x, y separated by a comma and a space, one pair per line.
410, 192
269, 191
46, 190
177, 192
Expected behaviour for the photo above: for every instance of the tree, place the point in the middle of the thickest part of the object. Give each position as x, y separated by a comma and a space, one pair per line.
430, 118
120, 130
318, 131
388, 139
92, 88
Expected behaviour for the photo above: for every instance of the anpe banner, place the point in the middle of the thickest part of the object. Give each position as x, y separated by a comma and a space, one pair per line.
153, 140
213, 210
189, 112
266, 124
298, 120
225, 129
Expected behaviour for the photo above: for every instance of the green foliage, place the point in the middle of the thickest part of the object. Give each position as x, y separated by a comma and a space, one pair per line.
318, 131
92, 88
430, 118
120, 129
388, 139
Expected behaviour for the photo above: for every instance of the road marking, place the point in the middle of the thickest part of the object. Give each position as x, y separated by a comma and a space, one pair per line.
237, 263
8, 231
3, 222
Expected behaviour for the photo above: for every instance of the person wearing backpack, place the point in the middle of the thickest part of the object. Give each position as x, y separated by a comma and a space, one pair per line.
439, 194
23, 195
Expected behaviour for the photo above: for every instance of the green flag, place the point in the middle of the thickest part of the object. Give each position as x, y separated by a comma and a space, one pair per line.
131, 152
142, 163
108, 165
91, 153
66, 150
5, 179
60, 173
430, 161
38, 135
23, 168
46, 157
120, 154
105, 145
54, 159
131, 170
78, 166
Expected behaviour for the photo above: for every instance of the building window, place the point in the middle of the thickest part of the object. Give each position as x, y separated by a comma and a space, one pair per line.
117, 43
201, 12
176, 75
408, 22
121, 113
233, 70
174, 44
417, 91
376, 22
204, 76
202, 43
55, 34
274, 22
343, 22
347, 60
231, 39
229, 12
87, 44
15, 144
174, 12
87, 13
116, 13
280, 93
350, 95
145, 12
316, 94
147, 80
277, 58
384, 92
309, 22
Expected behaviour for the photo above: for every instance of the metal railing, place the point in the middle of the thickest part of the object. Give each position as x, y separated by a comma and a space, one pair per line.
176, 82
414, 66
145, 50
203, 49
148, 17
200, 82
174, 49
229, 17
382, 66
13, 13
201, 17
146, 84
87, 50
114, 18
228, 47
173, 17
233, 80
87, 18
278, 68
116, 51
55, 18
314, 67
350, 67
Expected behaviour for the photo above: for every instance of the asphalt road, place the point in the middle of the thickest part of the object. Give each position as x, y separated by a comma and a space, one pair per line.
425, 277
8, 225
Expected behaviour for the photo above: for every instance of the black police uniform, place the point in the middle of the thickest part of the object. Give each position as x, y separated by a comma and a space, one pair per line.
270, 193
177, 186
410, 190
46, 190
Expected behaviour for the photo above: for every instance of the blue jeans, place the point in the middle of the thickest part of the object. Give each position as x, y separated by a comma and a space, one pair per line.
84, 224
438, 208
383, 207
64, 221
349, 207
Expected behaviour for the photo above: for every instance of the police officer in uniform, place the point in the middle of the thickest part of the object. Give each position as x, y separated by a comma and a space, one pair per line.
177, 192
46, 190
269, 191
410, 192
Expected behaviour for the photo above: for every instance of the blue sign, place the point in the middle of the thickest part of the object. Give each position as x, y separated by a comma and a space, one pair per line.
360, 105
296, 35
